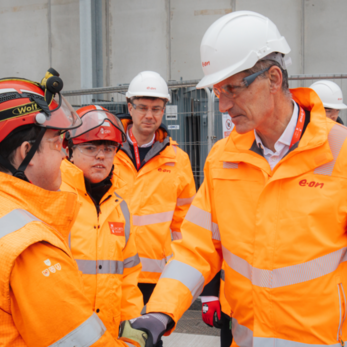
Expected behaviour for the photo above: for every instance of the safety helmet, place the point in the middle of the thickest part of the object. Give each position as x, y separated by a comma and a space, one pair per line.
97, 124
148, 83
24, 102
330, 94
236, 42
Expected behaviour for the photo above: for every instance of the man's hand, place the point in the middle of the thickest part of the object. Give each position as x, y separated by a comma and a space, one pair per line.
145, 330
211, 314
132, 337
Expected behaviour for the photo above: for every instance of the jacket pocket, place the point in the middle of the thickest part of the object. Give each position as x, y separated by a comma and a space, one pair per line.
342, 305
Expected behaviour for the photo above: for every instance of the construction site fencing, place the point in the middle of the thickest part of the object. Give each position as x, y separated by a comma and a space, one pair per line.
192, 117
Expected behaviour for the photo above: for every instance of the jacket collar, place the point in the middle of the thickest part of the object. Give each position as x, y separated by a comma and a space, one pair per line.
73, 176
57, 209
162, 145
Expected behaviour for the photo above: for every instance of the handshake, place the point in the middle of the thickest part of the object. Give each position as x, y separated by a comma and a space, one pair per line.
144, 331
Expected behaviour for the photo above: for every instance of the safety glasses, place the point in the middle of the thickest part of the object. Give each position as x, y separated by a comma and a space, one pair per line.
232, 91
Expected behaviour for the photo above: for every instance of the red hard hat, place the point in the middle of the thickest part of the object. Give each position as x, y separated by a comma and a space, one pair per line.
97, 124
23, 102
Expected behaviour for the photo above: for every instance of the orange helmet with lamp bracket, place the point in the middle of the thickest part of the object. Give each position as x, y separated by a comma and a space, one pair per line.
24, 102
97, 124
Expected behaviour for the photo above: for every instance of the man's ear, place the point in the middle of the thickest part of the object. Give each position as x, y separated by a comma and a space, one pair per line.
276, 78
130, 108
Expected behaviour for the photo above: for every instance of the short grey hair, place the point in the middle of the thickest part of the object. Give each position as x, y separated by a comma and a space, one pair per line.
264, 64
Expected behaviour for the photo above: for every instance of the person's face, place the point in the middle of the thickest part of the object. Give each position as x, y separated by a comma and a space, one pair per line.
248, 107
44, 168
332, 113
95, 168
147, 115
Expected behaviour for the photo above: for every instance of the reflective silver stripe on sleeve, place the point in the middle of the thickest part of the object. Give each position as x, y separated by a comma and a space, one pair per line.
153, 265
126, 214
288, 275
202, 219
92, 267
132, 261
336, 138
170, 164
186, 274
243, 337
15, 220
228, 165
176, 235
222, 275
185, 201
85, 335
153, 218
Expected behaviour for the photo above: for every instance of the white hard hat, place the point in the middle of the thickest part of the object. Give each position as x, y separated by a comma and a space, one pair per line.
330, 94
235, 42
148, 83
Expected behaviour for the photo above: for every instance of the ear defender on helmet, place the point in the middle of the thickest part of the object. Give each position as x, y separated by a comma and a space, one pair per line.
52, 84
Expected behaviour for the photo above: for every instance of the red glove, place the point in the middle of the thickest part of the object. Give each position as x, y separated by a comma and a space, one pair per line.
211, 313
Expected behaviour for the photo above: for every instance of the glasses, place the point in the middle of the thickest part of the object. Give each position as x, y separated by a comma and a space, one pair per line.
231, 91
55, 143
92, 151
144, 109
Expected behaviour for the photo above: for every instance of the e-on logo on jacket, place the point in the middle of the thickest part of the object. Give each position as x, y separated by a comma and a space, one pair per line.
116, 228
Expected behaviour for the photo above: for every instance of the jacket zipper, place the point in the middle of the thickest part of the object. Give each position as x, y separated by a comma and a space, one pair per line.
342, 303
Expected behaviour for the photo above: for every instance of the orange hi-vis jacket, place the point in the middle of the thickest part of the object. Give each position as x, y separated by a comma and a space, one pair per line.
160, 194
41, 291
103, 246
281, 233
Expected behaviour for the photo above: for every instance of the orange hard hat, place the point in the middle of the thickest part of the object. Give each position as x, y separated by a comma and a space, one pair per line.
97, 124
25, 102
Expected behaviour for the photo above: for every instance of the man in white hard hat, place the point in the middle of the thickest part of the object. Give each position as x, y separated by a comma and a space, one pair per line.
331, 95
160, 181
272, 206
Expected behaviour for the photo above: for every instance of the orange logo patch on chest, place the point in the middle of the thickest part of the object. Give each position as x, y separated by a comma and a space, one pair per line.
116, 228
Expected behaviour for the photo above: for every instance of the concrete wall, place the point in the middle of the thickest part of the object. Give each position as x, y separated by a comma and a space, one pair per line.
161, 35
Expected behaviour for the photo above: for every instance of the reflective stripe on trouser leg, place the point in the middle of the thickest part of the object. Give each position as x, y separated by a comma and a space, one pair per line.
187, 275
126, 214
85, 335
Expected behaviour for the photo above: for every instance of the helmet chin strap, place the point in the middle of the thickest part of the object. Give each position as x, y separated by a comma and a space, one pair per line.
19, 173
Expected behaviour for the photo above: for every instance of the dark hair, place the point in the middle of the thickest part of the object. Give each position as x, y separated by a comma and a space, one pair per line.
133, 98
15, 139
264, 64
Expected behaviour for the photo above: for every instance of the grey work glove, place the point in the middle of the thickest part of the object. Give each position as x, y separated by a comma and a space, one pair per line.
153, 325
